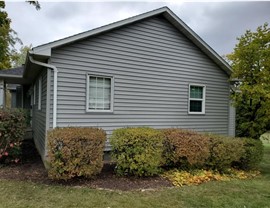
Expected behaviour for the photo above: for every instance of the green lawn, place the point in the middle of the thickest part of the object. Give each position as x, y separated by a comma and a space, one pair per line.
237, 193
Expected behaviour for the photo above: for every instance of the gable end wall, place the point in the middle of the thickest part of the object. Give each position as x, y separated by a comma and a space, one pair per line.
153, 65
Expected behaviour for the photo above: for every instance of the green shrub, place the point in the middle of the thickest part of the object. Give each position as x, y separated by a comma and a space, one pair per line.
185, 148
12, 130
137, 151
224, 151
252, 155
75, 152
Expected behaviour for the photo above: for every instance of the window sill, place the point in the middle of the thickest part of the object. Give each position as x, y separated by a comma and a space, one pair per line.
99, 111
196, 113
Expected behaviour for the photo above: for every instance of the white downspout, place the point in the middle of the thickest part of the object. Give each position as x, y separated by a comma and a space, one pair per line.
54, 85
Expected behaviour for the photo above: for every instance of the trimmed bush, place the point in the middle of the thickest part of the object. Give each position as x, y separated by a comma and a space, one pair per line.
185, 148
137, 151
224, 151
75, 152
12, 130
252, 155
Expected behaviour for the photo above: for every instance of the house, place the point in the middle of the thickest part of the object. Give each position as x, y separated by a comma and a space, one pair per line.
147, 70
10, 77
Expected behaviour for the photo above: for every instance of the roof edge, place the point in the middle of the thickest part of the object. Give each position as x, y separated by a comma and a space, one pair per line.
10, 76
198, 41
45, 49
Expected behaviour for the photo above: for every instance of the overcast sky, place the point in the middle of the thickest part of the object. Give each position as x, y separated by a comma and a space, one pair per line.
218, 24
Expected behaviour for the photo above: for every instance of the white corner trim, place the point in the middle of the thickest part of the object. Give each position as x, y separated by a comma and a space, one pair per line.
54, 85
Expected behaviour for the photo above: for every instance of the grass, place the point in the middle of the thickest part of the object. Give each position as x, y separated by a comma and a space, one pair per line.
238, 193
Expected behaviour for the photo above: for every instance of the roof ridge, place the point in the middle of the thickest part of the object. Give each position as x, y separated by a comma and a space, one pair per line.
45, 49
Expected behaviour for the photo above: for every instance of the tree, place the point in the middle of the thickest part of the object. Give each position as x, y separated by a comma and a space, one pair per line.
18, 57
35, 4
8, 37
250, 62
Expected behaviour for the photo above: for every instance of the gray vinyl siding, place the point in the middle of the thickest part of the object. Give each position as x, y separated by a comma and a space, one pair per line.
39, 116
152, 64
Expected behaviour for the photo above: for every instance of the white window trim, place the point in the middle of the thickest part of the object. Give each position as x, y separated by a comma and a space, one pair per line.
87, 93
203, 99
39, 92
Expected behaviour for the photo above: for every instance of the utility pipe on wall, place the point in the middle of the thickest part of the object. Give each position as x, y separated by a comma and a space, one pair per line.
54, 84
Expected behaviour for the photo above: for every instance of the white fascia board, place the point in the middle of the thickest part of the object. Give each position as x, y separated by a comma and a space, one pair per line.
42, 52
46, 48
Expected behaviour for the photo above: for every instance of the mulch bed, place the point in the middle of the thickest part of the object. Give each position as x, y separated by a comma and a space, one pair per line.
33, 170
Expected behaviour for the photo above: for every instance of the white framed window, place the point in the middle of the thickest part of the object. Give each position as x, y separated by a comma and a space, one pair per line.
99, 93
39, 92
196, 101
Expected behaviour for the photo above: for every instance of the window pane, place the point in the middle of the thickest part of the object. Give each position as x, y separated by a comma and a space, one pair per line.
107, 105
195, 106
93, 82
99, 93
92, 103
100, 82
92, 91
99, 103
196, 92
107, 83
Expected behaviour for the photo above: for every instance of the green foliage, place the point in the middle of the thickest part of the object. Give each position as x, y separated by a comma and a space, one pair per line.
8, 38
251, 66
36, 4
137, 151
75, 152
224, 151
185, 148
18, 57
12, 130
253, 154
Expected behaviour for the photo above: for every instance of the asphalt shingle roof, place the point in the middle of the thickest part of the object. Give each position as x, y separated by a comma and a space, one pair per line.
13, 71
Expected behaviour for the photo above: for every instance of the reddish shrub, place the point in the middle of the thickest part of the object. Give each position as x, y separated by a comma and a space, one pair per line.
185, 148
75, 152
12, 130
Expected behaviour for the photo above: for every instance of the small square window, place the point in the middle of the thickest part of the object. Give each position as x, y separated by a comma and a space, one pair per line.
99, 93
196, 99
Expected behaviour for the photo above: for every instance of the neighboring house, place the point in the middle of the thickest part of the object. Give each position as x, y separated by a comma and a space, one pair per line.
13, 79
148, 70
